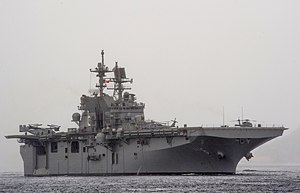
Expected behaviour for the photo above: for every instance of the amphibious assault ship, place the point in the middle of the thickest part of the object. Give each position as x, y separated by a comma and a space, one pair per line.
113, 137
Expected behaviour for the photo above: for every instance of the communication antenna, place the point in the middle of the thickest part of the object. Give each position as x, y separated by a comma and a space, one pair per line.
101, 70
242, 113
223, 116
90, 81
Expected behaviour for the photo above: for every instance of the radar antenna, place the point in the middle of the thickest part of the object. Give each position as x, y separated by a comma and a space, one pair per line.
119, 80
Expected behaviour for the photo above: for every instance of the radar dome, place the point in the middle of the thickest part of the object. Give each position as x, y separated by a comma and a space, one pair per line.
76, 117
100, 137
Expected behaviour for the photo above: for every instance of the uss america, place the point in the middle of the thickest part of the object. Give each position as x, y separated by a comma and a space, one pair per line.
113, 137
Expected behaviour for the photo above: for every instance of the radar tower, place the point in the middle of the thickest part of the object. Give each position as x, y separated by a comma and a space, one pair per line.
119, 80
101, 70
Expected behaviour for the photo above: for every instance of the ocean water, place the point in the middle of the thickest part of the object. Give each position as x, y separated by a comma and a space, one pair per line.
256, 179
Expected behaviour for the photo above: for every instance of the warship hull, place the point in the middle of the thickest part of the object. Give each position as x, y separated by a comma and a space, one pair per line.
189, 153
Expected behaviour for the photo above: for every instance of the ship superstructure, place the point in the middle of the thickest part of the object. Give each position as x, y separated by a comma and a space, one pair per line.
113, 138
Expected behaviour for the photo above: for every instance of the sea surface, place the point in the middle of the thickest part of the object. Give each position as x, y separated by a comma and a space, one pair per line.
251, 179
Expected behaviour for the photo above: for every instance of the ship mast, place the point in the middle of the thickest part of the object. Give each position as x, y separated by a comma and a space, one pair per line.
119, 80
101, 70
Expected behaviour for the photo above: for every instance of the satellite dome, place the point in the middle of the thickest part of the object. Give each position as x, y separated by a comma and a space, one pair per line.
76, 117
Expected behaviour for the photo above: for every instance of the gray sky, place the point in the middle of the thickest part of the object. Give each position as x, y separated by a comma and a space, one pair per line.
188, 60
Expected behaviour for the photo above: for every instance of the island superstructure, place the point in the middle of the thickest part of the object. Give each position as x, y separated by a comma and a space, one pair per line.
113, 137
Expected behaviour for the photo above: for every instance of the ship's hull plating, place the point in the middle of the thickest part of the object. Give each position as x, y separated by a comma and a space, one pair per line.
176, 155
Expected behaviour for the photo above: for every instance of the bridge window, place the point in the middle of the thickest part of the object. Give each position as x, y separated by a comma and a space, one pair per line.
53, 147
74, 147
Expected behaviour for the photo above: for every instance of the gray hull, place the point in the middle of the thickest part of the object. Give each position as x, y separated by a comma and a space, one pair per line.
203, 155
179, 155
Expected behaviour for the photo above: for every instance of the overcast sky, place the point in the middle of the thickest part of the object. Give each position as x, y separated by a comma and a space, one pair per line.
188, 59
